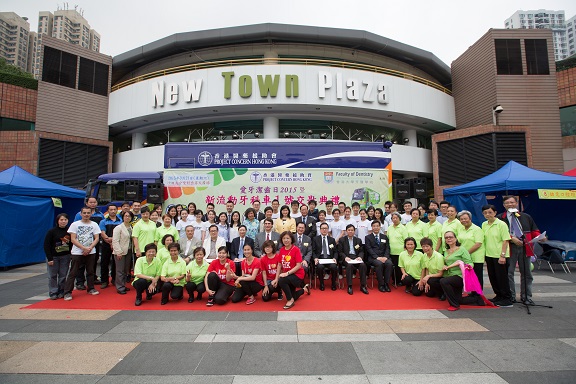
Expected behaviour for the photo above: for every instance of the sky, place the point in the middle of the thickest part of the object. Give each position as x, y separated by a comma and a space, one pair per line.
445, 28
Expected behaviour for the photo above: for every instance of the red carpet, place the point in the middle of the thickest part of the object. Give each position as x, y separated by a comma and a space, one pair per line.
318, 301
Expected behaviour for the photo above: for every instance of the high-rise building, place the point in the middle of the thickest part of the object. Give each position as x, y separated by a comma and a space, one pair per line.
68, 25
546, 19
14, 41
570, 35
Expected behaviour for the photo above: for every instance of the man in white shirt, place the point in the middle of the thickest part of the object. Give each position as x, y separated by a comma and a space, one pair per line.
84, 236
295, 210
329, 207
406, 217
355, 212
212, 242
275, 209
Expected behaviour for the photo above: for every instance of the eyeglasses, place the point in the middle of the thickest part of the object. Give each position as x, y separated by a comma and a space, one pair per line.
449, 237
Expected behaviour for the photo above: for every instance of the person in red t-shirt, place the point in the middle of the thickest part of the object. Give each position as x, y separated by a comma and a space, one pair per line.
218, 279
292, 276
250, 283
271, 264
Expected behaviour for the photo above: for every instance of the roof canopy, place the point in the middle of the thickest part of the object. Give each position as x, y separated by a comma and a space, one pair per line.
16, 181
514, 177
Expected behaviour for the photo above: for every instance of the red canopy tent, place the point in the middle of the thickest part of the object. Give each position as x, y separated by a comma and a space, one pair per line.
571, 172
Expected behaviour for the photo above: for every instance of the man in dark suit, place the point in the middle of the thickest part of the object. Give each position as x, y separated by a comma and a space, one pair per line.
188, 244
351, 248
305, 244
308, 220
267, 234
324, 248
256, 205
377, 250
237, 247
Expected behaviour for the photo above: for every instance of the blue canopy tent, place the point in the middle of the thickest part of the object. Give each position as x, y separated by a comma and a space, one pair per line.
28, 211
554, 216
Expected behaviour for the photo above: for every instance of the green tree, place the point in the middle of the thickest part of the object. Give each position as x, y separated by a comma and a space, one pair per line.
13, 70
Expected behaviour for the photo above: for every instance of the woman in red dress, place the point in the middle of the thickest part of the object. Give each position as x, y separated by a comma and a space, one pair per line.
292, 276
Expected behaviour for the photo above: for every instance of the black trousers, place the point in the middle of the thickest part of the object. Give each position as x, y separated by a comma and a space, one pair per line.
452, 287
141, 286
271, 290
248, 288
289, 285
435, 287
82, 273
324, 268
498, 275
397, 271
105, 262
78, 261
479, 271
351, 268
223, 291
191, 287
383, 270
410, 281
176, 292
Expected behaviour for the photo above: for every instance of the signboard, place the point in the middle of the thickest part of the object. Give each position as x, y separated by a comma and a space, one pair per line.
557, 194
245, 185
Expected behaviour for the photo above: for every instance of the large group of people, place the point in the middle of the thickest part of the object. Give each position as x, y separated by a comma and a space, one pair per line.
431, 251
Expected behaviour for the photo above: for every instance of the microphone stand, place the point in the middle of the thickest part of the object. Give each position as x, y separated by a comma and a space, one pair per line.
524, 303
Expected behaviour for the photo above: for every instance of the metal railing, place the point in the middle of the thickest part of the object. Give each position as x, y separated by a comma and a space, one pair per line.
284, 61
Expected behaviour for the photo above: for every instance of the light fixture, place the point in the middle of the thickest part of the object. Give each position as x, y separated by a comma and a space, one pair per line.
185, 139
310, 132
286, 134
129, 147
145, 143
406, 140
221, 133
160, 143
323, 135
235, 136
359, 139
382, 136
256, 134
495, 111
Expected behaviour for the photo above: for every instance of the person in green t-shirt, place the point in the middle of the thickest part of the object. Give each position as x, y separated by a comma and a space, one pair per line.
410, 263
146, 274
195, 272
496, 241
452, 283
143, 232
432, 270
472, 238
173, 274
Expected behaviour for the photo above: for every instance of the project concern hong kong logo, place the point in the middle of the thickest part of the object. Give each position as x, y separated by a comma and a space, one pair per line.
328, 177
205, 158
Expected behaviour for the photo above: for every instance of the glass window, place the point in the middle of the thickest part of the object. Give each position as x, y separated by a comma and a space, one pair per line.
537, 57
508, 57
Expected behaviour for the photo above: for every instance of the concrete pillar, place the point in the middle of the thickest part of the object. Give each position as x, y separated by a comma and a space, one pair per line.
270, 57
412, 138
138, 140
271, 127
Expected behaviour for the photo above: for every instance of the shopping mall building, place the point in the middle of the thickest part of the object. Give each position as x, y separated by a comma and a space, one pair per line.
272, 82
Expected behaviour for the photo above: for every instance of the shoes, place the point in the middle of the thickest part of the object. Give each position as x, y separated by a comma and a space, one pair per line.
148, 296
442, 297
97, 281
513, 299
281, 296
451, 308
199, 296
127, 289
120, 292
334, 287
288, 306
104, 286
138, 302
60, 295
251, 300
528, 302
53, 297
210, 302
495, 298
163, 302
381, 288
191, 299
408, 290
387, 287
80, 287
306, 289
326, 276
93, 292
350, 290
322, 286
364, 290
68, 297
505, 303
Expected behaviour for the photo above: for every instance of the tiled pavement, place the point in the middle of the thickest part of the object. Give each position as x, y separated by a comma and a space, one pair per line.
428, 346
